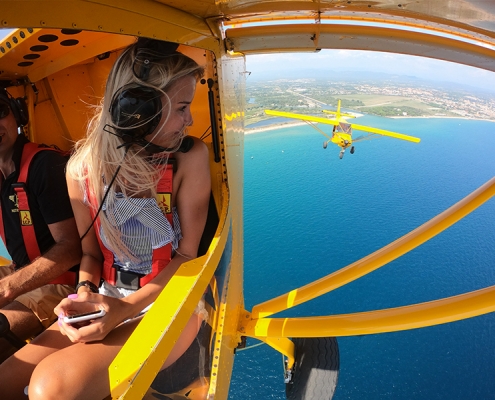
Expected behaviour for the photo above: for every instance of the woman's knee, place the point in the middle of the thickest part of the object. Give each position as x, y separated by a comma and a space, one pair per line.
45, 382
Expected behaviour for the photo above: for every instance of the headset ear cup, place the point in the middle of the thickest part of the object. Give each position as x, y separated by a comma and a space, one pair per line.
136, 111
22, 111
19, 110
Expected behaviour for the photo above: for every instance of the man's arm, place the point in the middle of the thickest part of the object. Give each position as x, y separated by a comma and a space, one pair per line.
65, 253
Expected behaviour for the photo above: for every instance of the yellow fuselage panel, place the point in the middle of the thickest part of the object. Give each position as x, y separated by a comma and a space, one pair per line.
343, 140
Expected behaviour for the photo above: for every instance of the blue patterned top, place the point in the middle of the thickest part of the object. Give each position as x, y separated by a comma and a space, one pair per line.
144, 228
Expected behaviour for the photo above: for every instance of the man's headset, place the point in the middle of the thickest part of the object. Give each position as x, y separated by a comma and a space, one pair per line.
136, 110
17, 106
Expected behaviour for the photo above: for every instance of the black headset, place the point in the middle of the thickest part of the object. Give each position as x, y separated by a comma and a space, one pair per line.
18, 107
136, 110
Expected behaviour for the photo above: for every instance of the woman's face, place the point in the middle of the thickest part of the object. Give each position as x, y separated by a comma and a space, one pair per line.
177, 108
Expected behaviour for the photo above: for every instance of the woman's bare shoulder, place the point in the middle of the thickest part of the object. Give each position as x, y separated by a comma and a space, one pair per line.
196, 157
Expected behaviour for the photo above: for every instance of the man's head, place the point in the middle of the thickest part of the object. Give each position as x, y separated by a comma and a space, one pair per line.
9, 123
17, 107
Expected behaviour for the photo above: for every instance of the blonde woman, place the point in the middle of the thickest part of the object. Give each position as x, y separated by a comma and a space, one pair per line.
135, 232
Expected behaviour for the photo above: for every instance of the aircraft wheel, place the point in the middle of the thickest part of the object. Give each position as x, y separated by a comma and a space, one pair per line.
341, 154
325, 145
316, 369
352, 150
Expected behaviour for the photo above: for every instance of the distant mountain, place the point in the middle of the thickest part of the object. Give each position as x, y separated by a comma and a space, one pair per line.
367, 76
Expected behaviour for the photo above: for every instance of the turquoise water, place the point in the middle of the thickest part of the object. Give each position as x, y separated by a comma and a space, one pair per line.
307, 214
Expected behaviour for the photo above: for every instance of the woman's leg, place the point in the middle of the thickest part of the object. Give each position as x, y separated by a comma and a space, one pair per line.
81, 370
16, 371
185, 339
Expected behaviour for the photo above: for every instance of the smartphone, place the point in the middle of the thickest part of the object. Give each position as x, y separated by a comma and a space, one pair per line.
72, 319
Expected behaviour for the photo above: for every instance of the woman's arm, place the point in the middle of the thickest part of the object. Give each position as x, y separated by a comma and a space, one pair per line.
92, 259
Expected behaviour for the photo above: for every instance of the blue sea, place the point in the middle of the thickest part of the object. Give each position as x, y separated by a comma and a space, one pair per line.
307, 213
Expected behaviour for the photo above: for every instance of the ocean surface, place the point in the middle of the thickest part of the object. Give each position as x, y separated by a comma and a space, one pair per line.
307, 213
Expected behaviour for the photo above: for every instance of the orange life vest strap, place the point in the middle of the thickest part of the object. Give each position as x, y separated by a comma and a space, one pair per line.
161, 256
27, 228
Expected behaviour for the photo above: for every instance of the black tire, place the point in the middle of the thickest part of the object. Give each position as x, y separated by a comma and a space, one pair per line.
316, 369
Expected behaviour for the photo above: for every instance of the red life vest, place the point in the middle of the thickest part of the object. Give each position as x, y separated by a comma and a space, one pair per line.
161, 256
27, 228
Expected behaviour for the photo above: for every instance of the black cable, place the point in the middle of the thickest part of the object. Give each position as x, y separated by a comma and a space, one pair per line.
104, 196
205, 133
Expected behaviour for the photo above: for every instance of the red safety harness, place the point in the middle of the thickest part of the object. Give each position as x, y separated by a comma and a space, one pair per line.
27, 228
161, 256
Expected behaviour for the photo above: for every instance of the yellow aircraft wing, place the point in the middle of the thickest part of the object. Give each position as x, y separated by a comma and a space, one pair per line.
386, 133
302, 117
310, 118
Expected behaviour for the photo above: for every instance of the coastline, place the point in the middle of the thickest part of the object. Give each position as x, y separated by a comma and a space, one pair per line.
272, 127
280, 125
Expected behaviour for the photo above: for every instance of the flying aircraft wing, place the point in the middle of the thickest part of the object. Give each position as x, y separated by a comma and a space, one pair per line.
385, 133
302, 117
311, 118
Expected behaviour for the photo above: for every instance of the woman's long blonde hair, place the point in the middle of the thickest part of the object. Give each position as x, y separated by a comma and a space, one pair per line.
97, 157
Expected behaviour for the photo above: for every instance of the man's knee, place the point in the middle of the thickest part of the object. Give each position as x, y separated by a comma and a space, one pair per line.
23, 322
17, 324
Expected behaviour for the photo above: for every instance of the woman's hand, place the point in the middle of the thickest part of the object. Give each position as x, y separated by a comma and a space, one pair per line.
96, 329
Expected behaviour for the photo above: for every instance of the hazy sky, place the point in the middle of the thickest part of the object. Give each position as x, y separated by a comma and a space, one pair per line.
366, 61
289, 64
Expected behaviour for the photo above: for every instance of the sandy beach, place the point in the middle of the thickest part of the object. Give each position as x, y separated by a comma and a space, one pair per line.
275, 126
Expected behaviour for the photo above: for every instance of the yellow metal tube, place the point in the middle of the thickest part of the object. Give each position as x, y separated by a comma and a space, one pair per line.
282, 345
133, 370
390, 320
380, 257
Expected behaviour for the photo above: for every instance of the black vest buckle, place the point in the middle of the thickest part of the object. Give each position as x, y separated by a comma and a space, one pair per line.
126, 279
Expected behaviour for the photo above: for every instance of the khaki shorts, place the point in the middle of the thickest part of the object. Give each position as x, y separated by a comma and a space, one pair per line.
42, 301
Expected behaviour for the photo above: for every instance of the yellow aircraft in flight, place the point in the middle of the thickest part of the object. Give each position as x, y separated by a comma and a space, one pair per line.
342, 130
